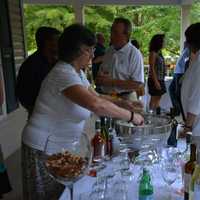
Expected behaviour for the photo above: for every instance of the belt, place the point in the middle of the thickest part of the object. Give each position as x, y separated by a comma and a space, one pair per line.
123, 93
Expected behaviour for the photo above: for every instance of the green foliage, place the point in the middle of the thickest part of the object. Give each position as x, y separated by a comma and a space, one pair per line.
54, 16
195, 13
146, 20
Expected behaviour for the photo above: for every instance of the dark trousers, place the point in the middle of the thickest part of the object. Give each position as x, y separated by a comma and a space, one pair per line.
4, 180
175, 93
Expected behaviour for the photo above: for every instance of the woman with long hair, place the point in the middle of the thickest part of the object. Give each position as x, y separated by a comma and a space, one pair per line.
156, 78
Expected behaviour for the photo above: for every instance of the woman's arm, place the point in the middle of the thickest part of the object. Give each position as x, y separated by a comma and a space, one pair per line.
135, 106
152, 61
85, 98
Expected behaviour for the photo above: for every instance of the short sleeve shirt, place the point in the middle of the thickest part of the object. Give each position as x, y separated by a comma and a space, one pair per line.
54, 113
124, 64
180, 64
190, 93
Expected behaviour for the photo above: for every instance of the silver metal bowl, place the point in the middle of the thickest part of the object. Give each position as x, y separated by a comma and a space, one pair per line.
154, 132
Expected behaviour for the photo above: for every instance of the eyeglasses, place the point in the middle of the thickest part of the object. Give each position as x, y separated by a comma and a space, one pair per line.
90, 50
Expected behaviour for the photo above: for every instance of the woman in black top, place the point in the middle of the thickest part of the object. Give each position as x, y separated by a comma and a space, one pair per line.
156, 79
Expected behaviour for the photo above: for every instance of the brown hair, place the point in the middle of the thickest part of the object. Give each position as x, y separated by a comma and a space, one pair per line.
156, 42
127, 25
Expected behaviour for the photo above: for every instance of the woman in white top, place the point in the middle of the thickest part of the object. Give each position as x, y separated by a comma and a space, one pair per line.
190, 91
64, 103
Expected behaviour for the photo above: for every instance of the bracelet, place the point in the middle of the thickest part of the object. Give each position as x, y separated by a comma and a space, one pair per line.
132, 116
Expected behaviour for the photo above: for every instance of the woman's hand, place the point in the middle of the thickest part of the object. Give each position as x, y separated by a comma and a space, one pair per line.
136, 106
138, 119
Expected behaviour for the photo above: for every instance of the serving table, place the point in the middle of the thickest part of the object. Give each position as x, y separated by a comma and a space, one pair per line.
161, 190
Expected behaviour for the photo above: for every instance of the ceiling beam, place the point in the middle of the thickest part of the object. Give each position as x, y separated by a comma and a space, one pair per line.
131, 2
187, 2
111, 2
50, 2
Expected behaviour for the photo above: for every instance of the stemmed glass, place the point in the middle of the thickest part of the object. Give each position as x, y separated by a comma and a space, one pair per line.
169, 171
67, 159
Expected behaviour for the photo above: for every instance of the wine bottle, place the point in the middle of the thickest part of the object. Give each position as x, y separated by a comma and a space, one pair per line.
189, 169
98, 143
172, 140
105, 134
115, 143
145, 186
110, 138
104, 127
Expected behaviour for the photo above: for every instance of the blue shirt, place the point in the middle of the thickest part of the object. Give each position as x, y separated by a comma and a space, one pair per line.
180, 64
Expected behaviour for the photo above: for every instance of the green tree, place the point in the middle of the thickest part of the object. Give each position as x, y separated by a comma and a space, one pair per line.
54, 16
146, 20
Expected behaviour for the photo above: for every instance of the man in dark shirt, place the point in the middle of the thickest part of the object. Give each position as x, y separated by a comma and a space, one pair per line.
35, 68
98, 54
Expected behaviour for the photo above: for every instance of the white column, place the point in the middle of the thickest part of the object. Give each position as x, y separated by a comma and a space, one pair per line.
79, 12
185, 22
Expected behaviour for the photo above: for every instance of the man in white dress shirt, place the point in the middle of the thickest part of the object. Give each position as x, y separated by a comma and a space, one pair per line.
190, 91
122, 70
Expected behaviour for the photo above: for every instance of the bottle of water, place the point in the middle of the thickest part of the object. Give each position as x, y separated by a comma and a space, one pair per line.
145, 186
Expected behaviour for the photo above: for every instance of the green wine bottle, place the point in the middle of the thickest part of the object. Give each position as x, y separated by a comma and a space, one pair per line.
145, 186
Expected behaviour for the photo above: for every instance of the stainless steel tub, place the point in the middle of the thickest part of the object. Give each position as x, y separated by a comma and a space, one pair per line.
154, 132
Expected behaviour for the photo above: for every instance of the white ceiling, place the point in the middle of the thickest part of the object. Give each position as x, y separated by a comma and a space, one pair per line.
112, 2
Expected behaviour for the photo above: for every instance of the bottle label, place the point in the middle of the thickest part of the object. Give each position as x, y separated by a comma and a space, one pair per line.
187, 180
149, 197
196, 195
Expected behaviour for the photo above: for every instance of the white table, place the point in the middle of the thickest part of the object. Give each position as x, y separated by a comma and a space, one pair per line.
160, 192
84, 186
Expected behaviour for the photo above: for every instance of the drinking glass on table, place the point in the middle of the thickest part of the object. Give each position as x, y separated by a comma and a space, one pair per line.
169, 171
120, 190
67, 159
99, 188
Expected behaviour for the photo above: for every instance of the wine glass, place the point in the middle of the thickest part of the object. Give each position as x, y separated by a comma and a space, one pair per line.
67, 159
169, 171
120, 190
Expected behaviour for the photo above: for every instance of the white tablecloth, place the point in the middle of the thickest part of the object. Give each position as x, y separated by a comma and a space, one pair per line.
161, 191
